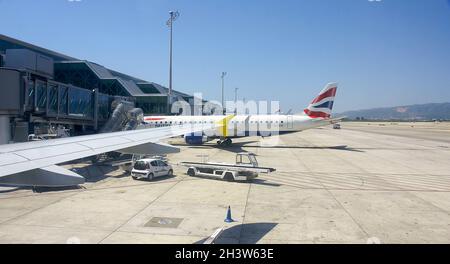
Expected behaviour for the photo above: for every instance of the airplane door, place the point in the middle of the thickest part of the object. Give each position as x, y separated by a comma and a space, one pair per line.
290, 122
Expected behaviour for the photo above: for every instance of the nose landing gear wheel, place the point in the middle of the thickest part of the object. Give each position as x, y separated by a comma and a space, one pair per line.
226, 142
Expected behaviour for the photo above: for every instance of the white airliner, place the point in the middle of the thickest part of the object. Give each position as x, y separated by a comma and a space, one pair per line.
317, 114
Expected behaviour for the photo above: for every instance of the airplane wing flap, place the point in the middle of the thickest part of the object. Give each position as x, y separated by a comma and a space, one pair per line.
10, 158
105, 142
51, 151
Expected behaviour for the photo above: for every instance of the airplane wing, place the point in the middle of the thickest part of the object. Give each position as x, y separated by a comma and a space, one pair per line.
336, 120
33, 163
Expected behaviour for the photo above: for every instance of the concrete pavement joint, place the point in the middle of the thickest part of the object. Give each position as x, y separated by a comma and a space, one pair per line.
36, 209
245, 212
140, 211
345, 210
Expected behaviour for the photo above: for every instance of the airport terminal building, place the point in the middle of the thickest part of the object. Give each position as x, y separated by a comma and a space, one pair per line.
43, 89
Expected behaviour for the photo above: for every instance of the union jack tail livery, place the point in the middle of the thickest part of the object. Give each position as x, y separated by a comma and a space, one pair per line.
322, 106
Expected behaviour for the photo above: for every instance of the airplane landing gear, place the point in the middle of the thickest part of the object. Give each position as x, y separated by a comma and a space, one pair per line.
225, 142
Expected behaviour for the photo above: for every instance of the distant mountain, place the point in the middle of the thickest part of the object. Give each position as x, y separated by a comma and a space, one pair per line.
411, 112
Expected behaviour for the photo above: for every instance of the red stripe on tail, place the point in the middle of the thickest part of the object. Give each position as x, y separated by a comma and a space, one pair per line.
313, 114
330, 93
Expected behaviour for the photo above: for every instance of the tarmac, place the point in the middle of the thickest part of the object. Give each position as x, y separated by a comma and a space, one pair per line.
366, 183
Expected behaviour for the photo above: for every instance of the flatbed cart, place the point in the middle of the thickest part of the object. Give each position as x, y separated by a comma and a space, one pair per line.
245, 169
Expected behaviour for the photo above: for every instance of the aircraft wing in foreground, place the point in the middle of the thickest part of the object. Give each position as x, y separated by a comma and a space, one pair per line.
35, 163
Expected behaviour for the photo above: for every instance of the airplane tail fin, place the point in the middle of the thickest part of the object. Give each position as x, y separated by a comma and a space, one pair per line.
322, 105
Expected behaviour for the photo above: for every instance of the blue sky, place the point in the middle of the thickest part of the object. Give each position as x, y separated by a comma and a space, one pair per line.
388, 53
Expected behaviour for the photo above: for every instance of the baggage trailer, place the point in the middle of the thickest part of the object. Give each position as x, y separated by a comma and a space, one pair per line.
245, 169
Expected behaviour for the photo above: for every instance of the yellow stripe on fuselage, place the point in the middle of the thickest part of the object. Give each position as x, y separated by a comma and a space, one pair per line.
223, 125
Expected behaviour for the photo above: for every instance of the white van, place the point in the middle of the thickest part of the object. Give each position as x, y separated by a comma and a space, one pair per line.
150, 169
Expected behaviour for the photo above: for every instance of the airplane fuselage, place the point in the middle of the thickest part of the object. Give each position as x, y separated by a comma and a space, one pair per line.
318, 114
244, 125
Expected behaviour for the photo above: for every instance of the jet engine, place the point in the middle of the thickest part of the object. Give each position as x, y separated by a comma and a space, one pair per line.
193, 139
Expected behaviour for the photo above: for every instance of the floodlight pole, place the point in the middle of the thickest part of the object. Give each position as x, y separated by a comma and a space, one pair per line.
173, 17
236, 99
223, 92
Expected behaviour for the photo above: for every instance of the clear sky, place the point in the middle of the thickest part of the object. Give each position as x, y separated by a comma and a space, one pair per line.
388, 53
